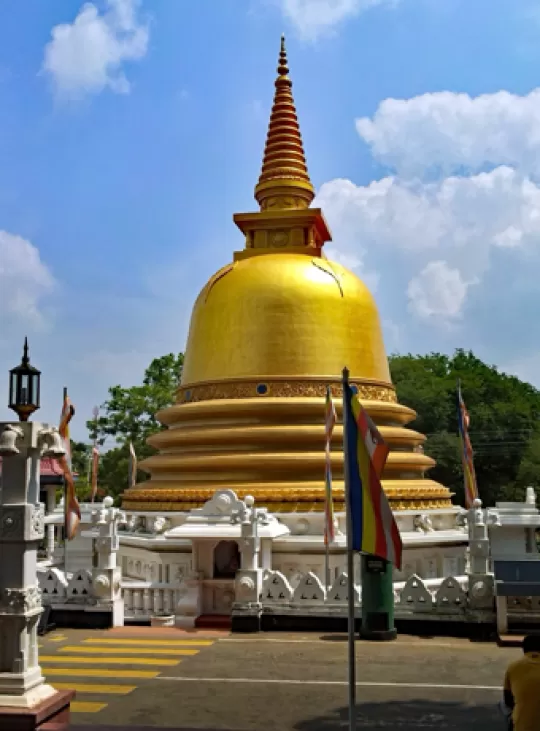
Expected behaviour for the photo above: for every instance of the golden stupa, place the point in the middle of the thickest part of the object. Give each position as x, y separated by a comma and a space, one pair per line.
269, 332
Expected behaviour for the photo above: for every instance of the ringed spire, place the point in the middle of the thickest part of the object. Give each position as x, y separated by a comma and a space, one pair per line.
284, 181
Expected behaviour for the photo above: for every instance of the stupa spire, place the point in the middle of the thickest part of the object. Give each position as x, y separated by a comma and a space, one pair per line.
284, 181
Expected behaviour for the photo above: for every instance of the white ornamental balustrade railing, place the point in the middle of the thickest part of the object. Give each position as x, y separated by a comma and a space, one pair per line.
146, 599
435, 597
58, 588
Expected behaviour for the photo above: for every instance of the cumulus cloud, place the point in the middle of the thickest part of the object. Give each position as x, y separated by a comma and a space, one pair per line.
24, 280
450, 132
456, 224
438, 291
87, 56
313, 18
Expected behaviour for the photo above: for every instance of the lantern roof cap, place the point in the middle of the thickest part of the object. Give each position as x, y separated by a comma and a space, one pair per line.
25, 366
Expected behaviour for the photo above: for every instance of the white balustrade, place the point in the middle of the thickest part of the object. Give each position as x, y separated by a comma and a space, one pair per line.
146, 599
415, 596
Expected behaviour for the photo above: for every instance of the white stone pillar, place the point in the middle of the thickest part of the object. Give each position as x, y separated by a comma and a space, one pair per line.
481, 582
251, 543
21, 528
247, 606
107, 575
478, 540
51, 528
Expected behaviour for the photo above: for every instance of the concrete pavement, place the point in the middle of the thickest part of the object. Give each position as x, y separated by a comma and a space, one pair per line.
276, 682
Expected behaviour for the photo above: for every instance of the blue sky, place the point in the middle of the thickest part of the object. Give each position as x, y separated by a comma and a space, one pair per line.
131, 132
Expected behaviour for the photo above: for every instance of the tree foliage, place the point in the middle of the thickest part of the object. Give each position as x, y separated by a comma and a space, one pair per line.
80, 461
504, 421
129, 415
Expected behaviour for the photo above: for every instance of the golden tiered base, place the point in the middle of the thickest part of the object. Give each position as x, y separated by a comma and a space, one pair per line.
282, 500
272, 447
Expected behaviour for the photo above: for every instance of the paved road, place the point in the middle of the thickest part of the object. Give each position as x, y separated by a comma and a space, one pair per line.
274, 682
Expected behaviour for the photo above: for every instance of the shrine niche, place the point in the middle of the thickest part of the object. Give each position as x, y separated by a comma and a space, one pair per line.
226, 560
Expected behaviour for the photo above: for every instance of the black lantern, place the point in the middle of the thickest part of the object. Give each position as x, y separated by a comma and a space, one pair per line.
24, 387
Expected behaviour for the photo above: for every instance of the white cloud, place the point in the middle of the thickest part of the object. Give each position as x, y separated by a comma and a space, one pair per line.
460, 221
450, 131
355, 264
526, 367
349, 261
24, 281
438, 291
87, 56
313, 18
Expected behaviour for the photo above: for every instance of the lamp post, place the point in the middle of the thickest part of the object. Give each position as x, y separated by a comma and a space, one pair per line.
26, 701
24, 387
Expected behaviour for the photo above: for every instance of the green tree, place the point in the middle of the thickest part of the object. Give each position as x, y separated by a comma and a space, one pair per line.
80, 459
504, 421
129, 415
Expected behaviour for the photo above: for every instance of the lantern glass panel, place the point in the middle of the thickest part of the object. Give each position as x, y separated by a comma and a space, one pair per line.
24, 389
35, 389
13, 388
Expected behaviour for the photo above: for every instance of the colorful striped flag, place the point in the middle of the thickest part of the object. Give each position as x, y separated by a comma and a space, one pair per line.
330, 422
469, 475
72, 511
132, 468
374, 529
95, 468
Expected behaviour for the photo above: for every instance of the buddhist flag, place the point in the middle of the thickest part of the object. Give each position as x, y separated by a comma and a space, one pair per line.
469, 475
132, 468
330, 422
72, 511
374, 529
94, 472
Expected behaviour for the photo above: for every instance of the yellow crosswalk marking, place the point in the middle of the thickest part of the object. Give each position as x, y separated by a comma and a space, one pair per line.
98, 673
110, 660
126, 650
58, 638
150, 643
96, 688
86, 707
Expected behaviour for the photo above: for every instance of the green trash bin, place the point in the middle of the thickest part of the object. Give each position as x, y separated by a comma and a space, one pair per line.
377, 600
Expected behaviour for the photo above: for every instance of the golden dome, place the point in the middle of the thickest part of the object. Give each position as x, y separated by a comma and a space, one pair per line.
284, 315
268, 334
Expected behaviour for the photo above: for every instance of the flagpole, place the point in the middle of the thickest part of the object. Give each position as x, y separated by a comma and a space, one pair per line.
350, 565
65, 503
95, 414
327, 565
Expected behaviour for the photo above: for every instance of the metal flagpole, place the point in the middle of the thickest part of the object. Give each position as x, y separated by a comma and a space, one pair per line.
65, 500
327, 564
95, 416
350, 564
327, 529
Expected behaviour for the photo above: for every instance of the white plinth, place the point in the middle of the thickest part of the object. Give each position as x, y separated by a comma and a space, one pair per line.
29, 699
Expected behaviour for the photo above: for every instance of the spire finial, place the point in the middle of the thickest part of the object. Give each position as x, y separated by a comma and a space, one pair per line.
25, 358
283, 68
284, 181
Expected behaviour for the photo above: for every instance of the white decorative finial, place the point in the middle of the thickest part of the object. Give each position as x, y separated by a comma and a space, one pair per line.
108, 502
477, 503
8, 438
249, 501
